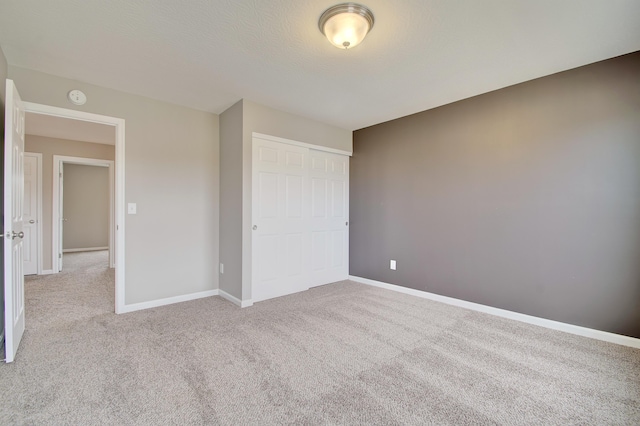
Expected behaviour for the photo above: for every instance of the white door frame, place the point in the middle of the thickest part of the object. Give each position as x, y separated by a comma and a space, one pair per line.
39, 209
56, 247
119, 195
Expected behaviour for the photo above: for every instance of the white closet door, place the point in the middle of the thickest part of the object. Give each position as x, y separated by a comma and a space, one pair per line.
280, 234
329, 184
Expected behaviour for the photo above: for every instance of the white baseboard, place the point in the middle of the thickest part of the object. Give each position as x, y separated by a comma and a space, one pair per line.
542, 322
167, 301
235, 300
46, 272
84, 249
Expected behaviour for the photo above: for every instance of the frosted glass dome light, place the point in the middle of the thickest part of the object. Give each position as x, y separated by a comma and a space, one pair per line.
346, 24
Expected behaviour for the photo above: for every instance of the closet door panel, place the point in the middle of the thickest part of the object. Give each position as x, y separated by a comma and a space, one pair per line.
280, 235
329, 176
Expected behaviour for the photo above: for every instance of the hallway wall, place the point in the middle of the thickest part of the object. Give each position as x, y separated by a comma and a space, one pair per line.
85, 207
49, 147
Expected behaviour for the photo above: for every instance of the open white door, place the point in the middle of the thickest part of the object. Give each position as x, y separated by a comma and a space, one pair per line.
13, 217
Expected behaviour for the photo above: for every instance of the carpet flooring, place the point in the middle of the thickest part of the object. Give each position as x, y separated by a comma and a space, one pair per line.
343, 353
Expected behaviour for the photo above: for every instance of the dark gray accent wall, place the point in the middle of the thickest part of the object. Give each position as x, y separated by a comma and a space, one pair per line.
526, 198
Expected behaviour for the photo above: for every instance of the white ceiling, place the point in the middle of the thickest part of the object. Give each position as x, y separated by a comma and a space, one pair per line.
207, 54
65, 128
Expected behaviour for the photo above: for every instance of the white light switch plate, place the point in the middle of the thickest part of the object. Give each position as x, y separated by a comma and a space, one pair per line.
392, 265
132, 208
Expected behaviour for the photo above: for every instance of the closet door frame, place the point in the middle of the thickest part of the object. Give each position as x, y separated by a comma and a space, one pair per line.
257, 137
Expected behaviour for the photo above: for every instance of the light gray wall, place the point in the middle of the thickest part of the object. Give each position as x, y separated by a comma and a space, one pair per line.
231, 199
237, 125
172, 173
3, 77
526, 199
49, 147
85, 206
262, 119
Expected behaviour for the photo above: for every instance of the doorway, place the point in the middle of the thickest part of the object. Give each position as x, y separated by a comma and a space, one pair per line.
117, 228
16, 112
83, 222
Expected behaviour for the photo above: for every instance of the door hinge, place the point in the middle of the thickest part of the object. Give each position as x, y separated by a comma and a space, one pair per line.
59, 255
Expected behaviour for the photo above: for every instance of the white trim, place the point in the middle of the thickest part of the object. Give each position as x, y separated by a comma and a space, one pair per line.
58, 160
302, 144
55, 218
40, 250
47, 272
542, 322
235, 300
72, 113
119, 213
112, 217
76, 250
167, 301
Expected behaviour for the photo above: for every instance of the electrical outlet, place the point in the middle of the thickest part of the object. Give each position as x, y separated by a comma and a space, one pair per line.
392, 265
222, 268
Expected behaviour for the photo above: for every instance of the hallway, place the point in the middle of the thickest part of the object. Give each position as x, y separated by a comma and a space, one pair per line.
83, 290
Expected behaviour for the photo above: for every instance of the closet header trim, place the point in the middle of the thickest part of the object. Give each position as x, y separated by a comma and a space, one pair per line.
302, 144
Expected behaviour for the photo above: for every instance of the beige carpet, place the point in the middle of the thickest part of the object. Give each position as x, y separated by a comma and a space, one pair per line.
339, 354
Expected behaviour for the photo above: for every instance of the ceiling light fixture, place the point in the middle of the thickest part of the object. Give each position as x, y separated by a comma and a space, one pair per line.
346, 24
